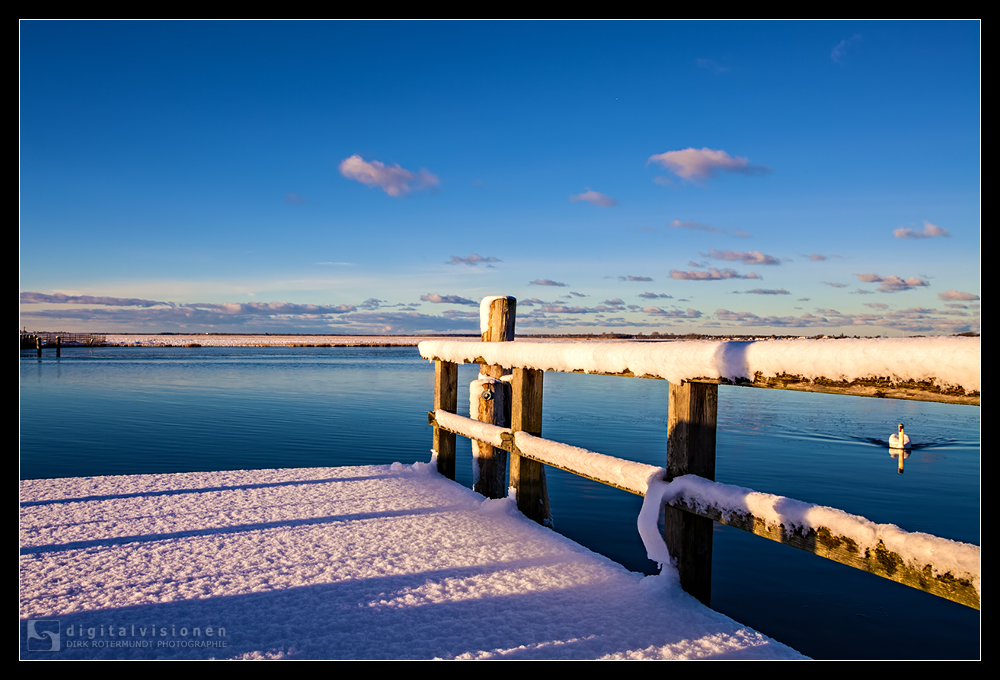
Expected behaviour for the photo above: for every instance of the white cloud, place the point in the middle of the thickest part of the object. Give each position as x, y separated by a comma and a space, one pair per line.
893, 284
700, 164
447, 299
752, 257
595, 197
393, 180
929, 231
957, 295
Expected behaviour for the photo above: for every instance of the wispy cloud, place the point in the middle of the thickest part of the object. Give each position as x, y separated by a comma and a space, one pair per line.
294, 198
634, 278
447, 299
700, 164
762, 291
653, 296
392, 179
30, 297
929, 231
595, 197
699, 226
712, 65
893, 284
546, 282
673, 313
834, 284
711, 275
752, 257
957, 295
837, 54
474, 260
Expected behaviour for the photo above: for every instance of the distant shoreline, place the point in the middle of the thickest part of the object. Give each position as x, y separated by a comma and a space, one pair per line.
345, 340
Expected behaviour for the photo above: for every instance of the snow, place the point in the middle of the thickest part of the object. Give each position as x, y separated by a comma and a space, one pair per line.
484, 310
949, 361
206, 340
375, 562
624, 474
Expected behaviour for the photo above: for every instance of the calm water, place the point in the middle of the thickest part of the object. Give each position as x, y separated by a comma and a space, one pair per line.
110, 411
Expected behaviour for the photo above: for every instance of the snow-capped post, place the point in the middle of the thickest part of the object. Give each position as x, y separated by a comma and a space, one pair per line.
527, 477
496, 323
691, 420
445, 399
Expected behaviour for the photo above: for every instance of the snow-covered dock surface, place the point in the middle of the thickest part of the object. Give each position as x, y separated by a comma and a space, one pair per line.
375, 562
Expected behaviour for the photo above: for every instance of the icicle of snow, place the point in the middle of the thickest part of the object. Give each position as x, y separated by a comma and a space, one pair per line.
648, 523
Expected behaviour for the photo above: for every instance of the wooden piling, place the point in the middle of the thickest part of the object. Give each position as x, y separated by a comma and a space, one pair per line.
492, 461
492, 398
527, 477
445, 399
691, 423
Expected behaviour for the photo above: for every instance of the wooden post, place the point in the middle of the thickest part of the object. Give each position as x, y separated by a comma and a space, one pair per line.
445, 399
691, 424
58, 346
527, 477
492, 397
492, 461
38, 344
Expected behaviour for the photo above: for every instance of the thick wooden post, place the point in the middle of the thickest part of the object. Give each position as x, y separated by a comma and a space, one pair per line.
527, 477
491, 397
445, 399
691, 423
492, 462
58, 345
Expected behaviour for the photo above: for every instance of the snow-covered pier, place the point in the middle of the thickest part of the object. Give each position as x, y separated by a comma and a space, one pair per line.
381, 562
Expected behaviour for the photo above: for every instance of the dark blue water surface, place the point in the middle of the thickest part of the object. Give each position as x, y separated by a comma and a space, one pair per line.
112, 411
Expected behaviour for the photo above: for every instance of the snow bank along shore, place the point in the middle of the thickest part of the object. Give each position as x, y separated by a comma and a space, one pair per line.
207, 340
376, 562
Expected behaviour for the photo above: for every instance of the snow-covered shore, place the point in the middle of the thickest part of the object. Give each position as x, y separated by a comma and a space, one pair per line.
377, 562
225, 340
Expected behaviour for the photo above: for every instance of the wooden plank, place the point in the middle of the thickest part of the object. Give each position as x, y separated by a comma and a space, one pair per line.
527, 476
445, 399
825, 543
691, 421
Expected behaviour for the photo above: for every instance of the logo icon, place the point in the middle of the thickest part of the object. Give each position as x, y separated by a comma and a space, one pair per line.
43, 635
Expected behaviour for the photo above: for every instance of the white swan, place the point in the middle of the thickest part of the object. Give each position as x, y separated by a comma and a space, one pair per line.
899, 441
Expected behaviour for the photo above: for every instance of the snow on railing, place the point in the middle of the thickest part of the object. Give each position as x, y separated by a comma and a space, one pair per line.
949, 367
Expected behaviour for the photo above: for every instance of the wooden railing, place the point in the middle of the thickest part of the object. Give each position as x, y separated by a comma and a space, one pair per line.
509, 421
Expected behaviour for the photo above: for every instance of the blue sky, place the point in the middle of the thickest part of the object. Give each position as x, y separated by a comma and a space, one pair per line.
382, 177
